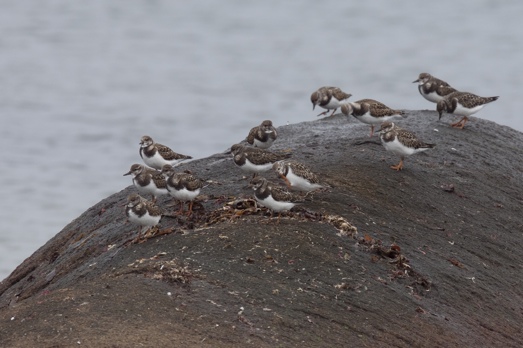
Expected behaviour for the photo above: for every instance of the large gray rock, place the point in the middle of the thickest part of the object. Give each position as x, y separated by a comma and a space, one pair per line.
435, 260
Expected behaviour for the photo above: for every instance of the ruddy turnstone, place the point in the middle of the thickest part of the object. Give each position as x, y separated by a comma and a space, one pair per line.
433, 89
401, 142
156, 155
329, 98
255, 160
277, 199
148, 181
263, 135
297, 175
462, 104
143, 212
182, 186
371, 112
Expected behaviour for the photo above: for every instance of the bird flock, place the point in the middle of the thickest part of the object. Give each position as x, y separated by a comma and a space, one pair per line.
158, 176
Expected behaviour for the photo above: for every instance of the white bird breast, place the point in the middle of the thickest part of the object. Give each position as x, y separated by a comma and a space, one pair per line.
158, 161
300, 183
333, 104
432, 96
150, 189
184, 194
399, 149
263, 145
369, 119
276, 206
145, 220
249, 167
460, 110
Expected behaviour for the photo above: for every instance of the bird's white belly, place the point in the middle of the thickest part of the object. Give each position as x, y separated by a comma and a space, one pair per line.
263, 145
276, 206
156, 161
145, 220
460, 110
399, 149
300, 183
253, 168
369, 119
432, 96
333, 104
184, 194
150, 189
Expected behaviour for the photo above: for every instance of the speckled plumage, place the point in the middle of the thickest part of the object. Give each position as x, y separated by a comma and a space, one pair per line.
297, 175
155, 155
182, 186
273, 197
143, 212
371, 112
329, 98
401, 142
262, 136
255, 160
462, 104
148, 181
432, 88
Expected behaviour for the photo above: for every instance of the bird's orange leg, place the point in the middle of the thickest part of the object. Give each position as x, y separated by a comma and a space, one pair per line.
461, 123
190, 208
371, 130
180, 211
399, 166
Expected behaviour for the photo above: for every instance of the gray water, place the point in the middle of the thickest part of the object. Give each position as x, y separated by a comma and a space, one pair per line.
82, 81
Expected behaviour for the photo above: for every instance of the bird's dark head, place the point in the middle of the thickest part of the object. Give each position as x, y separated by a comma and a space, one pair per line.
133, 200
423, 78
441, 107
386, 127
167, 170
347, 109
135, 170
146, 141
237, 148
315, 99
257, 182
267, 127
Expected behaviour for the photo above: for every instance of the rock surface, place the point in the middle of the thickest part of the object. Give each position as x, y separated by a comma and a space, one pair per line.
435, 260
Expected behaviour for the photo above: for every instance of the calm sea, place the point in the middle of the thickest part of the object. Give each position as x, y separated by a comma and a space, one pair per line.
82, 81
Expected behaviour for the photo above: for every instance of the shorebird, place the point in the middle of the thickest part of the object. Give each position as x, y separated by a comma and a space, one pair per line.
462, 104
148, 181
297, 175
433, 89
143, 212
275, 198
371, 112
401, 142
262, 136
255, 160
182, 186
156, 155
329, 98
